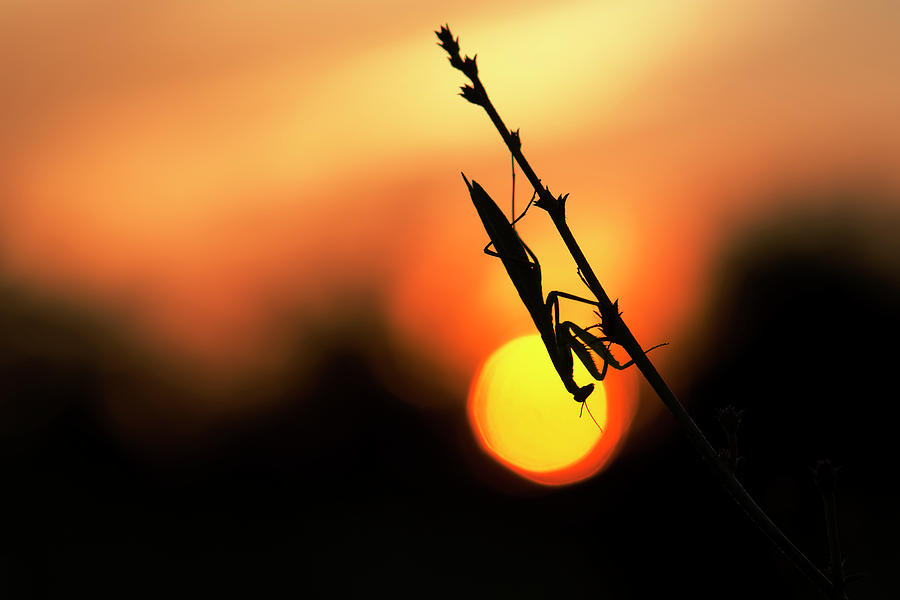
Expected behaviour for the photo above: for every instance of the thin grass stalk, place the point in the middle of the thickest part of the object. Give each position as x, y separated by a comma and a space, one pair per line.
825, 475
555, 206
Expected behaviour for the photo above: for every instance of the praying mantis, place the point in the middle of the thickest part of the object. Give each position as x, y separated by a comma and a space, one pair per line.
561, 339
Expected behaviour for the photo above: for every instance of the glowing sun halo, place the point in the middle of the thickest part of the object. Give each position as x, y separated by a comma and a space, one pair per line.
523, 416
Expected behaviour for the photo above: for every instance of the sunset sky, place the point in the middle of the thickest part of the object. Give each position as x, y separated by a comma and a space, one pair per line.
207, 169
249, 338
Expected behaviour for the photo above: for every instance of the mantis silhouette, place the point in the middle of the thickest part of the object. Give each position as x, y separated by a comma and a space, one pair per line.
561, 339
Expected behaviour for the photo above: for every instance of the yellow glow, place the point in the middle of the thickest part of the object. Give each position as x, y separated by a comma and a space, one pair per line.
529, 417
522, 414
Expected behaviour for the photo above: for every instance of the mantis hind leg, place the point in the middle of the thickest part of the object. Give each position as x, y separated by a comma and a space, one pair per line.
487, 250
532, 258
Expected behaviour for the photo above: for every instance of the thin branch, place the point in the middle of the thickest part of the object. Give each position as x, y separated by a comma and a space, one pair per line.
616, 329
825, 475
730, 420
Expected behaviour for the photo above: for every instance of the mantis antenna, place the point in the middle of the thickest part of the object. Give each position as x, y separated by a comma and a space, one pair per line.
590, 414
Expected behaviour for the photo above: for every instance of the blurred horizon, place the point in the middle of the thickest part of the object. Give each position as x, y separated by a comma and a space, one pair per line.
203, 170
219, 177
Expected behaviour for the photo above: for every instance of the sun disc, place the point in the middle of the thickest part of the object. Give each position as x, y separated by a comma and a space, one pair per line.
523, 416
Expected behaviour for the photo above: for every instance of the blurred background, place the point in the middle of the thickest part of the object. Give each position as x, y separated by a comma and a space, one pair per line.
243, 298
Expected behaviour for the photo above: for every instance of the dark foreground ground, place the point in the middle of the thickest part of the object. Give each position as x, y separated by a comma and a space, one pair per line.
347, 489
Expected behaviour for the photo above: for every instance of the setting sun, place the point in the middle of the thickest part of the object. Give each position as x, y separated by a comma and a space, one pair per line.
523, 416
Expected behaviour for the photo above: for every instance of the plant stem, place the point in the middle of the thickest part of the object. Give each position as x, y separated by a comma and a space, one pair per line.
556, 208
826, 477
834, 544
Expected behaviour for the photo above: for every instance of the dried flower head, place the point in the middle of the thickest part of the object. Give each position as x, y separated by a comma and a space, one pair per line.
468, 64
451, 45
825, 475
730, 418
470, 94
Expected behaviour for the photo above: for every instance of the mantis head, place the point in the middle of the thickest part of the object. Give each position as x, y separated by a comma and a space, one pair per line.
582, 394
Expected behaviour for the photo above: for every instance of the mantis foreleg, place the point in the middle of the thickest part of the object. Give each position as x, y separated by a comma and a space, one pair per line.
601, 345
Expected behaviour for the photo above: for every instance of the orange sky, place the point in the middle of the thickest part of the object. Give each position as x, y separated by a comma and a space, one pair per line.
205, 166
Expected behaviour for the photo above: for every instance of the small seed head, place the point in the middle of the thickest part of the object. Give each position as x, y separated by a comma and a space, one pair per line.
825, 475
730, 418
470, 94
